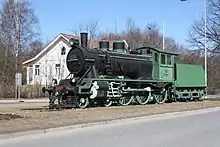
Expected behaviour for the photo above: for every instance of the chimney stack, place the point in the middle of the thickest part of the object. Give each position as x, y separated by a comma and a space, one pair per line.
84, 39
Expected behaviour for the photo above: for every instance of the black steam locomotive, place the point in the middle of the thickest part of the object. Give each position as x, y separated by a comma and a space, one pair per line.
121, 76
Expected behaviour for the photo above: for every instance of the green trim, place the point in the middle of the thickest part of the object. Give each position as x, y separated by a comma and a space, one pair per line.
165, 65
128, 80
158, 50
194, 86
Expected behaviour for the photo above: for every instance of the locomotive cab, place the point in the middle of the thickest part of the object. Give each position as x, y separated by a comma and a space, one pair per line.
163, 62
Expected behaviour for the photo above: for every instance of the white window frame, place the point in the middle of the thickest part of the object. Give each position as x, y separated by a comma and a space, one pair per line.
30, 73
63, 50
57, 69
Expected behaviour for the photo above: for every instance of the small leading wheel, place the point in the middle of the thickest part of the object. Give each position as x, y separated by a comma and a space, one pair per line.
125, 100
143, 100
161, 97
83, 102
107, 102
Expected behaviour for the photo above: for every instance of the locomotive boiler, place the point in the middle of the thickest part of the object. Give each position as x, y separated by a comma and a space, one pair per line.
118, 62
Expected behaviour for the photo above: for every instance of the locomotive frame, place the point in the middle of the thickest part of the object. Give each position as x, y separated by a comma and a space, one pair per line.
105, 82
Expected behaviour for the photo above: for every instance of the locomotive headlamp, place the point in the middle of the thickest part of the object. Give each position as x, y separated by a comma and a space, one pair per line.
73, 42
73, 80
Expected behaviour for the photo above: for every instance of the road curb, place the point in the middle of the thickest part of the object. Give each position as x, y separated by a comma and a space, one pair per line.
101, 123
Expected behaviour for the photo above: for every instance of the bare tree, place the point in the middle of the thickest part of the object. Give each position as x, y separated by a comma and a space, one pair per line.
150, 35
18, 24
133, 34
19, 27
197, 31
33, 49
91, 27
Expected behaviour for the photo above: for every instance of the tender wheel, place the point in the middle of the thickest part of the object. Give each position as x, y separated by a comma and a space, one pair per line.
83, 102
107, 102
143, 100
162, 97
125, 100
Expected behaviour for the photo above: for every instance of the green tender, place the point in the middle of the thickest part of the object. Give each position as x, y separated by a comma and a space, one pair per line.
188, 75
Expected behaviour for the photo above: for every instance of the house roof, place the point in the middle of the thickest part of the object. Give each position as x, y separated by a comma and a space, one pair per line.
68, 36
61, 35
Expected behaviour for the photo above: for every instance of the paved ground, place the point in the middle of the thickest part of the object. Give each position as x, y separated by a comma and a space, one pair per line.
23, 102
12, 101
35, 117
22, 105
201, 130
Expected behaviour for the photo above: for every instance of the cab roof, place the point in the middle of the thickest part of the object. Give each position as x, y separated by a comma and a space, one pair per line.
158, 50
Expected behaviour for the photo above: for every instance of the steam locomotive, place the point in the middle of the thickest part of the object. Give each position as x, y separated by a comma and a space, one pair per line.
124, 76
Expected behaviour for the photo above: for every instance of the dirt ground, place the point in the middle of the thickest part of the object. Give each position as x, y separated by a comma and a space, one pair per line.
16, 119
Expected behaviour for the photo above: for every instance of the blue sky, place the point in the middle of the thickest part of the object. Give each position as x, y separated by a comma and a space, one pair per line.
62, 15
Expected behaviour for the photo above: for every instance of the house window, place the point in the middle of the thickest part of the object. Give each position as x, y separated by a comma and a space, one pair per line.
63, 51
37, 70
30, 73
57, 68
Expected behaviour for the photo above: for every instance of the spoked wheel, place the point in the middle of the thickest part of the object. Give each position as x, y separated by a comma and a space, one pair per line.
107, 102
82, 102
161, 97
125, 100
143, 99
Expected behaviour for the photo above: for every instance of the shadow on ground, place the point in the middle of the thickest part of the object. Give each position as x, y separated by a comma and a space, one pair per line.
40, 109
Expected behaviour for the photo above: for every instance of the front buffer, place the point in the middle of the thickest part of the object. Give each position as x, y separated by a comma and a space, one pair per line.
189, 82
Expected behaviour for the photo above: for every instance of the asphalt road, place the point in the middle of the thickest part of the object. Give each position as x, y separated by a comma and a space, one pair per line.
201, 130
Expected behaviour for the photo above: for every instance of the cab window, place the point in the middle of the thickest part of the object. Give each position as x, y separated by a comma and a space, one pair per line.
169, 59
155, 57
163, 59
